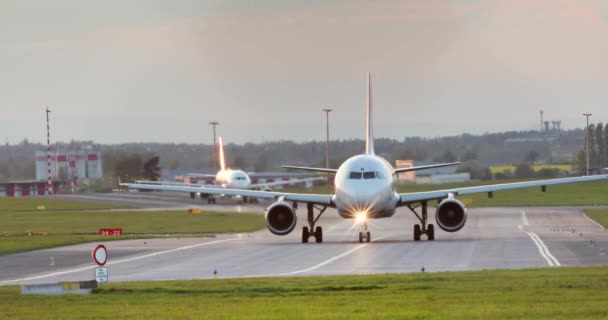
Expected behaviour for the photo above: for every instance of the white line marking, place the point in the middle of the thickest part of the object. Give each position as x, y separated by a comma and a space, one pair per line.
524, 219
328, 261
544, 251
149, 255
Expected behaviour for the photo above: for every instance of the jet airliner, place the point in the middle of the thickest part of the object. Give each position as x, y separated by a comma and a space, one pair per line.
226, 178
365, 188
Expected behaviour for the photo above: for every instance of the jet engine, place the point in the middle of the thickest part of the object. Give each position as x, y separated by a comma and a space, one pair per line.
451, 215
280, 218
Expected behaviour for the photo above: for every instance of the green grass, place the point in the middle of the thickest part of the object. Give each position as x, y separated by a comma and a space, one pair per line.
71, 227
563, 293
577, 194
12, 204
599, 215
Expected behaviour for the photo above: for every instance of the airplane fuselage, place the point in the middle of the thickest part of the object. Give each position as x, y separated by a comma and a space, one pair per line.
365, 184
233, 179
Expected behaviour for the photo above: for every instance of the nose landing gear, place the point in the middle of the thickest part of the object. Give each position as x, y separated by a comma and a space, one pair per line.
364, 234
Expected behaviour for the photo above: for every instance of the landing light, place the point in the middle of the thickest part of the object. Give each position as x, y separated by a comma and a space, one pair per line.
360, 217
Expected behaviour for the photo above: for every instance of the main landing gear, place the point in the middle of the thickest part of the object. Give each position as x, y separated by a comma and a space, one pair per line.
318, 231
364, 234
422, 228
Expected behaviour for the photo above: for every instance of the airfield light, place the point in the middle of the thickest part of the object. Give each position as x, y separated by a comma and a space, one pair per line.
360, 217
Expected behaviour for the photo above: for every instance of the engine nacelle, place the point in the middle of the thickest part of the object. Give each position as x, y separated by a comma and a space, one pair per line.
281, 218
451, 215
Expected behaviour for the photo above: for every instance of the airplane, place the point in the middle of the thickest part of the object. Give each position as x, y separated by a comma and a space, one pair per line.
365, 188
226, 178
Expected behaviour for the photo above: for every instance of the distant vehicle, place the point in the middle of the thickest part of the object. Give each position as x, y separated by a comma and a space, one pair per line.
365, 189
225, 178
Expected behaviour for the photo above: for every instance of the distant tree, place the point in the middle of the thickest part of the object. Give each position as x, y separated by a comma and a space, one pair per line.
468, 156
605, 164
407, 154
129, 167
531, 157
447, 156
151, 170
261, 163
239, 162
507, 174
477, 171
600, 144
524, 170
547, 173
581, 162
593, 156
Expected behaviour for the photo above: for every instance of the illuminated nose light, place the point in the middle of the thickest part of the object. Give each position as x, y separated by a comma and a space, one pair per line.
360, 217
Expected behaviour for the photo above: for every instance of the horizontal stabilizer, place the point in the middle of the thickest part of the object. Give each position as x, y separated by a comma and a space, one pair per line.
325, 170
400, 170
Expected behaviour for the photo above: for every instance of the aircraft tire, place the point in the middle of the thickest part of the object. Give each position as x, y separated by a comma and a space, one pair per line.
369, 237
305, 235
319, 234
430, 232
417, 232
360, 237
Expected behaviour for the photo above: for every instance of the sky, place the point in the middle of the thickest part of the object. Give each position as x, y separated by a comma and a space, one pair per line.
119, 71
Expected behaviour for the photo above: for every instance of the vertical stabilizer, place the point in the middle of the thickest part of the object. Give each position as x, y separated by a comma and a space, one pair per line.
221, 154
369, 134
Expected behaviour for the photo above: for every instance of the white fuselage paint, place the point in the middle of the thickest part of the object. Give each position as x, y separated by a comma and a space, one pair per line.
233, 179
373, 193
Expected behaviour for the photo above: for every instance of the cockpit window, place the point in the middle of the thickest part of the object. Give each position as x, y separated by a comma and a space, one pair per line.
369, 175
355, 175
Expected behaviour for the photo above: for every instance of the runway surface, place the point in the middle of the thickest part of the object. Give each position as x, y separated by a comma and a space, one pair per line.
493, 238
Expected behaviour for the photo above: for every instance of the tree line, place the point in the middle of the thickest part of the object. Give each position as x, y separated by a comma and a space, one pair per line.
597, 138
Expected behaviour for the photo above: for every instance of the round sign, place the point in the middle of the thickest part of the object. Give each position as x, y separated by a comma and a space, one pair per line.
100, 255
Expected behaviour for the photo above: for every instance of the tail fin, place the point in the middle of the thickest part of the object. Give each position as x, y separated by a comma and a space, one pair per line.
369, 135
221, 154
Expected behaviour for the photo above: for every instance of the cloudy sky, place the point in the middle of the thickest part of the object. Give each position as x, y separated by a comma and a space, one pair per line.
130, 71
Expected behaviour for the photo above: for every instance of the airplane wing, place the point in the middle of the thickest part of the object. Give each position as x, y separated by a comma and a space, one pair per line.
321, 199
171, 183
311, 169
408, 198
271, 185
399, 170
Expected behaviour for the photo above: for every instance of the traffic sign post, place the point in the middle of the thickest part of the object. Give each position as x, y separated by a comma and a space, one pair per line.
100, 257
101, 275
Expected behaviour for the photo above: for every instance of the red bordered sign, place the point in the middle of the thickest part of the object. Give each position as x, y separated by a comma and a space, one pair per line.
100, 255
110, 232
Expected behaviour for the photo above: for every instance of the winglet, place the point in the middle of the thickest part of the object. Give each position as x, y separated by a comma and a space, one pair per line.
369, 135
221, 154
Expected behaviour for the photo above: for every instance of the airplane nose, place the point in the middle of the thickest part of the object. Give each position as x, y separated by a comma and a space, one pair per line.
359, 201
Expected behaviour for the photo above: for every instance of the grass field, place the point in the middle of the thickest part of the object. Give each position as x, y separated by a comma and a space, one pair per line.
563, 293
12, 204
77, 226
600, 216
578, 194
562, 167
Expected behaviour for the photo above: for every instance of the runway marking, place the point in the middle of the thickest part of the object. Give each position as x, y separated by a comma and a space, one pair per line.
328, 261
524, 219
544, 251
149, 255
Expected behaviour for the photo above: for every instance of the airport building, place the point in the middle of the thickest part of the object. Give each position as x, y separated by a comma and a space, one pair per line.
70, 164
28, 188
